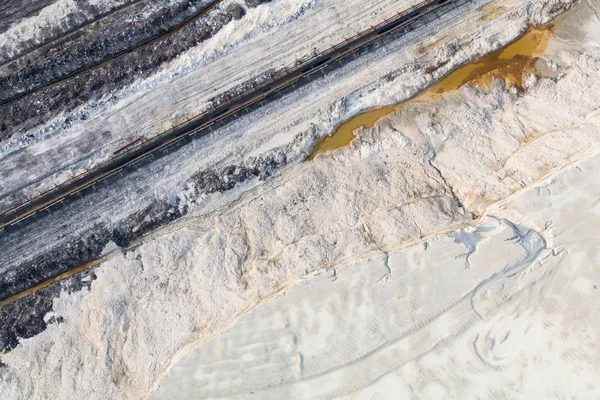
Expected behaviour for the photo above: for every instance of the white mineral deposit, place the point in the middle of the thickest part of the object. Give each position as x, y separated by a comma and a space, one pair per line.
416, 218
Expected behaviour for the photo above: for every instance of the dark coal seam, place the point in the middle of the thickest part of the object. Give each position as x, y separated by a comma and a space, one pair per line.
70, 32
24, 318
12, 11
113, 57
37, 108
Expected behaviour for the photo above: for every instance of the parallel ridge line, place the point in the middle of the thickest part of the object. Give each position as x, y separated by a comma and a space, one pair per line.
113, 58
283, 79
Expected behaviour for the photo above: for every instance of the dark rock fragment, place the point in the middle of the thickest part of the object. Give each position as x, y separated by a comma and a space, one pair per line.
255, 3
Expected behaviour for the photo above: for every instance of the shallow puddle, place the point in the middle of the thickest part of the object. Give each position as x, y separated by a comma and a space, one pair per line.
511, 63
344, 134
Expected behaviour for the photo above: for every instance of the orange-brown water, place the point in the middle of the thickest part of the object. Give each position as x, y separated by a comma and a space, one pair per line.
510, 63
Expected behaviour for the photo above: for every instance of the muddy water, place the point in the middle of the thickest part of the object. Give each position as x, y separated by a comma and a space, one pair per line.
511, 63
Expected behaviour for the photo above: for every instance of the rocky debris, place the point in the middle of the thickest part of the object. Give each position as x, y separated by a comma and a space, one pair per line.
558, 7
255, 3
25, 317
236, 11
69, 254
83, 51
76, 251
210, 181
38, 107
163, 212
152, 217
14, 10
81, 17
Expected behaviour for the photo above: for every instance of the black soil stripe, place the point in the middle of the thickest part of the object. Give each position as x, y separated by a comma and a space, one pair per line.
119, 55
200, 124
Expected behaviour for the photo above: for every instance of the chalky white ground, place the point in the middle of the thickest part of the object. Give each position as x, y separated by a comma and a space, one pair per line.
391, 289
